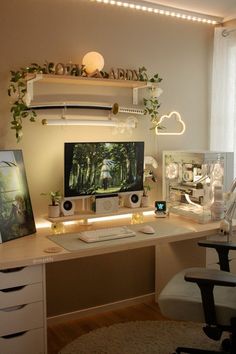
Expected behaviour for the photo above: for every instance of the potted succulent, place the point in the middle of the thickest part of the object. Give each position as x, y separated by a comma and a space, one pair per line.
54, 206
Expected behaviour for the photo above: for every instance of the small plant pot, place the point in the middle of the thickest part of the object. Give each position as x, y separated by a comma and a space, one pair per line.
54, 211
145, 201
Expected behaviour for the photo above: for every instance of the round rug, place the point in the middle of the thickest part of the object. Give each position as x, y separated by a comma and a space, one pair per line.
141, 337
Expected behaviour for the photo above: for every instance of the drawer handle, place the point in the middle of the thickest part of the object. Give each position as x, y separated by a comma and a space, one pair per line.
13, 308
16, 288
12, 270
8, 336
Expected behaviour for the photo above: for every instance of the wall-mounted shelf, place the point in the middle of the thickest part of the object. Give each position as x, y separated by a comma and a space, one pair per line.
78, 80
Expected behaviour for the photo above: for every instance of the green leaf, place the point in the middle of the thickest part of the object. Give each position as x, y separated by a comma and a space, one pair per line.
14, 122
24, 114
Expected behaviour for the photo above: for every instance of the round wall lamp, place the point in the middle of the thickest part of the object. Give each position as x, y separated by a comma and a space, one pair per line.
93, 61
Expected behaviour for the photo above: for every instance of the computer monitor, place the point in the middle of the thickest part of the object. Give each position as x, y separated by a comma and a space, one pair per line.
103, 168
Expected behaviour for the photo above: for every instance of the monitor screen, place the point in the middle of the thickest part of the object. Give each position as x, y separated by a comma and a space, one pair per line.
100, 168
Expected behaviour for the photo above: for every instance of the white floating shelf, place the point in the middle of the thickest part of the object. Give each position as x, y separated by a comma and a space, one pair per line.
78, 80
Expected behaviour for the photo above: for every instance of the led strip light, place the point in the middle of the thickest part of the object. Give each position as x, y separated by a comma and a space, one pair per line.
164, 10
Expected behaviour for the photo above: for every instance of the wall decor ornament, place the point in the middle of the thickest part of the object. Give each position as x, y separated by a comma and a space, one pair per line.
17, 89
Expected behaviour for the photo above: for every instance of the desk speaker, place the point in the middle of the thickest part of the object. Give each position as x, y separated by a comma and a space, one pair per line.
132, 200
67, 207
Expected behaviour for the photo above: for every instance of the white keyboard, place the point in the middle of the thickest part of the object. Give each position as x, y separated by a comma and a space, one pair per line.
106, 234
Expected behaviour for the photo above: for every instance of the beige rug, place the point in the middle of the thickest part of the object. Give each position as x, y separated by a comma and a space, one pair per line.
141, 337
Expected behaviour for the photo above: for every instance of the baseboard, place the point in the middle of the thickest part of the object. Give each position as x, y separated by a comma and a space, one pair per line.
102, 308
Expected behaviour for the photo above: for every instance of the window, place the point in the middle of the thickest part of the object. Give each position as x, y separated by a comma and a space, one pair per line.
223, 101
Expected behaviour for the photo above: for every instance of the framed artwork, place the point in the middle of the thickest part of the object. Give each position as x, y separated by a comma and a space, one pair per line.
16, 214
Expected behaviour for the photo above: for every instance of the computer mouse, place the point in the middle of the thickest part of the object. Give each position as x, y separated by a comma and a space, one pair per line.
147, 229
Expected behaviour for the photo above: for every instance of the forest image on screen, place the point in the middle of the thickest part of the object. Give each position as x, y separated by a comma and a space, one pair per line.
103, 168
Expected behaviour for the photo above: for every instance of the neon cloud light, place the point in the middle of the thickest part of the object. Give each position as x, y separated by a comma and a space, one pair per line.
169, 116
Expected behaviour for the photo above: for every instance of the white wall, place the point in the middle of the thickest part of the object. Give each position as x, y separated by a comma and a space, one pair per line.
35, 31
59, 30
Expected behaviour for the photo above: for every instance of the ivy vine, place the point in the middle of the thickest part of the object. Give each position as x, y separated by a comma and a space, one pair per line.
151, 104
18, 90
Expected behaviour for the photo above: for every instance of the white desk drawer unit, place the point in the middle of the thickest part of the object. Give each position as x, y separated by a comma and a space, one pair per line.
20, 318
22, 311
21, 295
29, 342
20, 276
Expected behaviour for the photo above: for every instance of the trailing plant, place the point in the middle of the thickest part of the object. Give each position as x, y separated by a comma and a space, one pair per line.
152, 104
18, 90
143, 76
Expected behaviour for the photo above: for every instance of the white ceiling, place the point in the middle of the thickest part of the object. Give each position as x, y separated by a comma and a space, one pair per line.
221, 8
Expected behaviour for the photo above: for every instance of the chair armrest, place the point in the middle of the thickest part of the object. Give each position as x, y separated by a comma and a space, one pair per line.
222, 248
211, 277
218, 244
206, 279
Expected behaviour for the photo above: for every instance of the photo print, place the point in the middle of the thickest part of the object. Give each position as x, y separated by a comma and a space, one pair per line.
16, 214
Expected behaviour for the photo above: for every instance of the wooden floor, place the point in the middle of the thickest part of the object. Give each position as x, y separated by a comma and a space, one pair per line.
61, 334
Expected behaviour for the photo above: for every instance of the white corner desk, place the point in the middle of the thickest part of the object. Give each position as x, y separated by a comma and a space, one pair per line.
23, 318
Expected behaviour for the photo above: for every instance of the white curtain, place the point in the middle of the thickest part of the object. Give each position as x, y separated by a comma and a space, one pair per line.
223, 102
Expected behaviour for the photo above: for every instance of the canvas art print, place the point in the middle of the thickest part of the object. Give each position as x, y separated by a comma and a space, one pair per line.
16, 214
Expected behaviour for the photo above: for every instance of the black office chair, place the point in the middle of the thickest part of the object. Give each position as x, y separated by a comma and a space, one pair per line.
207, 296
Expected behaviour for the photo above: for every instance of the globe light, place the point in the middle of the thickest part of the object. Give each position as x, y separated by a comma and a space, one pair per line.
93, 61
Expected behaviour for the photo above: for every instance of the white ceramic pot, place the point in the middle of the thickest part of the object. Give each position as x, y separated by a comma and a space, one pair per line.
54, 211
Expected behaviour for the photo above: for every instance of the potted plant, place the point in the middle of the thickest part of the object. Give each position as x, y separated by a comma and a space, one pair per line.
54, 206
145, 200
